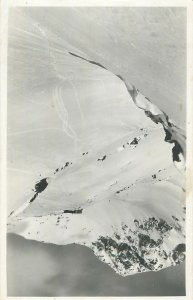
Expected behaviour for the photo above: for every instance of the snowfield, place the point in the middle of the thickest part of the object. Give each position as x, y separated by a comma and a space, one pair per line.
105, 166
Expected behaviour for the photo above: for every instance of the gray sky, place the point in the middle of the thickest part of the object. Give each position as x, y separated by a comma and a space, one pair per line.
36, 269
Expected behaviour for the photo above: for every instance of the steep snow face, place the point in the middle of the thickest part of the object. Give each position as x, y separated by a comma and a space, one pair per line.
122, 197
111, 164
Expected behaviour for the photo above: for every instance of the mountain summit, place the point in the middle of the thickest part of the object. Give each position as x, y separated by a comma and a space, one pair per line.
121, 191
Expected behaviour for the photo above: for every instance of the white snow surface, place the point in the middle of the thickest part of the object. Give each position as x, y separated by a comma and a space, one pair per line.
111, 182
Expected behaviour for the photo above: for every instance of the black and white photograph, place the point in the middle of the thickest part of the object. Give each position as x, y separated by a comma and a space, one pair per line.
96, 151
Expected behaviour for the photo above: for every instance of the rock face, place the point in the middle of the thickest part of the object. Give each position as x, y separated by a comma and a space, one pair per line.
139, 251
116, 170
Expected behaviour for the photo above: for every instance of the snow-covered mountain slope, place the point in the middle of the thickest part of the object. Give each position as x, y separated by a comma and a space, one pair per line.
111, 162
122, 196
